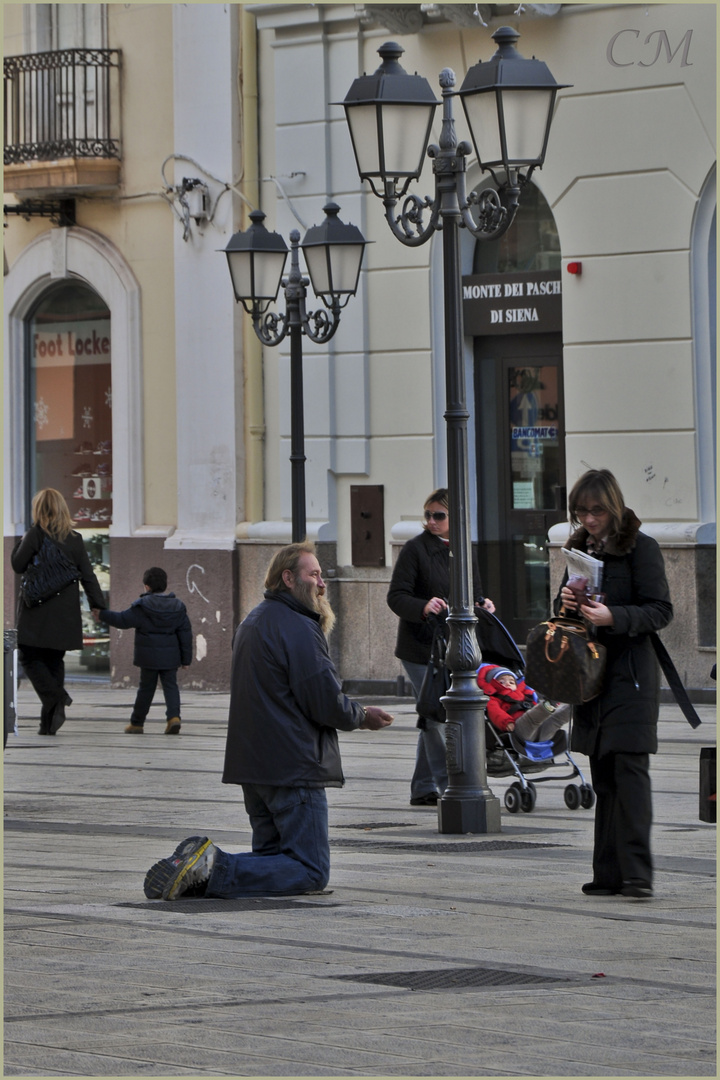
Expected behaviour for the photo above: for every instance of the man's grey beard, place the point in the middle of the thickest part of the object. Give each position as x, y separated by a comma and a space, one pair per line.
307, 594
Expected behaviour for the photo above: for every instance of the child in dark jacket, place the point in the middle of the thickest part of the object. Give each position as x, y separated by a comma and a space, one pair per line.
163, 643
514, 706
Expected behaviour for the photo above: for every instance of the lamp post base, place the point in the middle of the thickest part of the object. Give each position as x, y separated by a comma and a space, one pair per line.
474, 814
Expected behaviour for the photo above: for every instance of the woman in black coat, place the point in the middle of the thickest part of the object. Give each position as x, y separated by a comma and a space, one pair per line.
618, 729
419, 590
48, 631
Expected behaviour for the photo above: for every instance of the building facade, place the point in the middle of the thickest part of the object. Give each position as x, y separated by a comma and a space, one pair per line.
135, 384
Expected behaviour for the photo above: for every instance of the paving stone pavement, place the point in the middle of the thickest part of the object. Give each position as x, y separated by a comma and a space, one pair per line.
428, 955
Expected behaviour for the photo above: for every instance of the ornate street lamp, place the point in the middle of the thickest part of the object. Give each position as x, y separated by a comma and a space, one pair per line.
508, 103
256, 258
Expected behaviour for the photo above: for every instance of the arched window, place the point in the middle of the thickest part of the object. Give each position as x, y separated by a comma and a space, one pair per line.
531, 244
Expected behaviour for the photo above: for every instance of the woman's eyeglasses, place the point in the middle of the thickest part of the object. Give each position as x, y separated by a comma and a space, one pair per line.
436, 515
594, 511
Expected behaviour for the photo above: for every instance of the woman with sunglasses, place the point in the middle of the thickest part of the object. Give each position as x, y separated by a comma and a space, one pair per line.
419, 589
618, 729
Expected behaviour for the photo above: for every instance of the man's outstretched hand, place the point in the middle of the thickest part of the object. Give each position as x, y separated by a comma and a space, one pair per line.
376, 718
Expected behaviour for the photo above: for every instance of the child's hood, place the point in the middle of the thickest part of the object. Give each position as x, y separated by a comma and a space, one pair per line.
488, 676
164, 610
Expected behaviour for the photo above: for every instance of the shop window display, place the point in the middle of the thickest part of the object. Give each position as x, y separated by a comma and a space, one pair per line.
70, 397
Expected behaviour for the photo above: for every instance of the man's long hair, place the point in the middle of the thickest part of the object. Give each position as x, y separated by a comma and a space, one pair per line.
288, 558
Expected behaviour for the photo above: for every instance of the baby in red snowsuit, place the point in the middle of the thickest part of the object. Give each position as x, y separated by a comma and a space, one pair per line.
514, 706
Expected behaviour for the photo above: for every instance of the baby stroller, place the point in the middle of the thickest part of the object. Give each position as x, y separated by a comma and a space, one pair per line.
509, 755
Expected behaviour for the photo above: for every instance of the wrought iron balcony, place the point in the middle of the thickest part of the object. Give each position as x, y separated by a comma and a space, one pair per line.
62, 120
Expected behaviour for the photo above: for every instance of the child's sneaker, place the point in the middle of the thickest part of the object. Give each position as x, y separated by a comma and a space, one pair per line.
173, 726
190, 865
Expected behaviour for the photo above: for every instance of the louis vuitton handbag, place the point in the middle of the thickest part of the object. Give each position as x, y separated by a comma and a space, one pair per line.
563, 663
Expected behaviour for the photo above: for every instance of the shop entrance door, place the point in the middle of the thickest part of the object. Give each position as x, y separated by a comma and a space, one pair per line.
520, 438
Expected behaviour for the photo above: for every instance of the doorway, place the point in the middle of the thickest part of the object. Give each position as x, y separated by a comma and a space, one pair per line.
520, 448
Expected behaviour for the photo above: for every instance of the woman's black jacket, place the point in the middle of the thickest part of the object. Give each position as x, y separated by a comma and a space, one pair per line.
624, 717
422, 571
56, 623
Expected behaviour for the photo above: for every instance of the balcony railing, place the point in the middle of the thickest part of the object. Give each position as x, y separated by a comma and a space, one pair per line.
62, 104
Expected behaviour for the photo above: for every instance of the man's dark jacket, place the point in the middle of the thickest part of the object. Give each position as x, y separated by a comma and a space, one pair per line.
422, 571
163, 636
624, 717
286, 702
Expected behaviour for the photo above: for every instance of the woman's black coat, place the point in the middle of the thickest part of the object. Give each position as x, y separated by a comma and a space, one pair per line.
624, 717
57, 623
422, 571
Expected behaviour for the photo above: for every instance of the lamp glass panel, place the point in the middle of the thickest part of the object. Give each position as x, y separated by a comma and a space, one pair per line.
346, 259
406, 129
526, 117
318, 268
337, 275
362, 121
482, 117
240, 263
269, 266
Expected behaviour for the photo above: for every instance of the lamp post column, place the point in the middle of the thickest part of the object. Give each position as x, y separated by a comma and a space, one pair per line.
294, 294
467, 805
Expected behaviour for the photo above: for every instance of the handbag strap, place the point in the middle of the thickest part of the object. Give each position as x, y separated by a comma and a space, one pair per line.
674, 682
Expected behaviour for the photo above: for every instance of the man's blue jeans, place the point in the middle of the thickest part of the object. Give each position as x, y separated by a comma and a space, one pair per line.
290, 847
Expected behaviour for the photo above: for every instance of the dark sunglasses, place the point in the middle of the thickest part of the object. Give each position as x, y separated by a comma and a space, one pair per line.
436, 515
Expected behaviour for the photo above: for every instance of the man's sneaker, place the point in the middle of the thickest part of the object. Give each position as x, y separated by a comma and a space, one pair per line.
155, 878
190, 865
134, 729
173, 726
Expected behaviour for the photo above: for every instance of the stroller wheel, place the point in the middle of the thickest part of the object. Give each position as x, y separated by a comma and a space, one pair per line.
513, 798
587, 797
572, 797
527, 799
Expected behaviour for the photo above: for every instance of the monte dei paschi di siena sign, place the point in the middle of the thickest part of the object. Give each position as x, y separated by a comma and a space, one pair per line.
519, 303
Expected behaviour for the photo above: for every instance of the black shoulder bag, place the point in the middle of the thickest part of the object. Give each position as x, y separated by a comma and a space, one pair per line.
436, 682
48, 574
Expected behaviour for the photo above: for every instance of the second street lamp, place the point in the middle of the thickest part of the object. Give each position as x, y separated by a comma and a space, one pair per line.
508, 103
256, 259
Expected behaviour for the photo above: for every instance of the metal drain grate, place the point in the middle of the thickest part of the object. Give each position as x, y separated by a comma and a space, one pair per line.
200, 906
455, 979
381, 847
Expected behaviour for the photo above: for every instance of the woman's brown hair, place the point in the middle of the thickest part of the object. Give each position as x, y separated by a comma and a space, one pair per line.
597, 487
440, 495
50, 512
